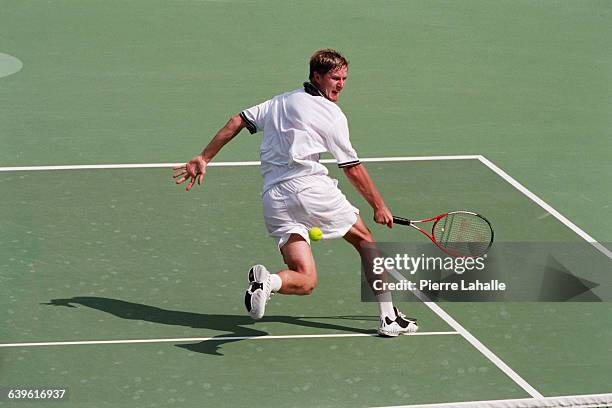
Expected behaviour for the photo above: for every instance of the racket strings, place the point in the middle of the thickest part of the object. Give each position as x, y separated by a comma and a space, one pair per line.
463, 234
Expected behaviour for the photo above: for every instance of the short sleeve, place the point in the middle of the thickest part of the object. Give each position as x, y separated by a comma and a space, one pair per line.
255, 117
339, 144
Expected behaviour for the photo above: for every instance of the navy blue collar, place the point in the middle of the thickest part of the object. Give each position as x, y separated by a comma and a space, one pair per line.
311, 89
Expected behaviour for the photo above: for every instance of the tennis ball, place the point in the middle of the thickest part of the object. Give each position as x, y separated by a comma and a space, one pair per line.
315, 234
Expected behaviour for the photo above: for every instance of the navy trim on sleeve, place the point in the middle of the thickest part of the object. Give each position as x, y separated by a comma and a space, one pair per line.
349, 164
249, 125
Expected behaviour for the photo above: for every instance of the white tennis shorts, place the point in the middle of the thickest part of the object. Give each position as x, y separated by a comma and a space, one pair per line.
294, 206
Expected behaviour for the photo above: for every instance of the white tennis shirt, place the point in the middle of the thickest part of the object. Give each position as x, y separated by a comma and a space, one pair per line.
297, 127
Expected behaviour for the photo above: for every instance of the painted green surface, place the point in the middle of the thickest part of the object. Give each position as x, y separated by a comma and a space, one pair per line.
527, 84
559, 348
138, 258
358, 372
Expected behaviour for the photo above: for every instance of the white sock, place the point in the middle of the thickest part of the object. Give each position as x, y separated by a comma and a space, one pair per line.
385, 305
276, 282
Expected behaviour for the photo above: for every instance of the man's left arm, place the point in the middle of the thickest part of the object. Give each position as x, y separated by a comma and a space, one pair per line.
195, 169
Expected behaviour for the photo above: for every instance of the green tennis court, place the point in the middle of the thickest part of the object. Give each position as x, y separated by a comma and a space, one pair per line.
122, 288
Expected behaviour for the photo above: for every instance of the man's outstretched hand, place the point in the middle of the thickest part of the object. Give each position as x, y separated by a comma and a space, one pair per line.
193, 170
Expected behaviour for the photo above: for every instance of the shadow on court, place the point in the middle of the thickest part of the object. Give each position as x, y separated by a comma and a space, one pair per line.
233, 325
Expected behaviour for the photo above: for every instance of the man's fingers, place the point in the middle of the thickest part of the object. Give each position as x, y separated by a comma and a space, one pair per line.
384, 219
191, 183
189, 172
389, 221
181, 181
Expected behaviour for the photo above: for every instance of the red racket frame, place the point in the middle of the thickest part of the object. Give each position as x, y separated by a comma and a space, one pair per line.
432, 237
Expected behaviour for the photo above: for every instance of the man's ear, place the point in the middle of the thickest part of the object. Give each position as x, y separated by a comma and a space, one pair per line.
316, 78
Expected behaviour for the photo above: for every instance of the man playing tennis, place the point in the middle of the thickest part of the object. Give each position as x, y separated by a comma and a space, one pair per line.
297, 192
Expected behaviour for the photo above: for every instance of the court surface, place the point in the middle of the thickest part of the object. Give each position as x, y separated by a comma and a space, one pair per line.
127, 291
117, 282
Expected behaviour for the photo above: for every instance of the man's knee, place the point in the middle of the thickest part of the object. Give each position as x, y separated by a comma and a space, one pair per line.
359, 235
365, 235
311, 284
309, 287
309, 277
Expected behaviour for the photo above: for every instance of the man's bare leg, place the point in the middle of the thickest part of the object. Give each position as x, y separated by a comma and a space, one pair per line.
392, 322
360, 236
300, 277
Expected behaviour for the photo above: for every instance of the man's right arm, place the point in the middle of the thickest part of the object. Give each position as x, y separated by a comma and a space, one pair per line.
361, 180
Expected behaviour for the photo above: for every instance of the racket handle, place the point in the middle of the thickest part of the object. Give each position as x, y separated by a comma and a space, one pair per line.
401, 221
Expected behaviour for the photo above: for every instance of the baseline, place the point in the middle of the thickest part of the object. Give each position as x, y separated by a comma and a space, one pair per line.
217, 164
584, 401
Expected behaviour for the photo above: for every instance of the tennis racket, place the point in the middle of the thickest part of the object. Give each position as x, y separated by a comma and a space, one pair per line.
462, 234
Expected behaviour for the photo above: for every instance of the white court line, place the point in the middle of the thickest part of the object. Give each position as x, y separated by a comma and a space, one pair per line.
545, 206
120, 166
218, 164
192, 339
587, 400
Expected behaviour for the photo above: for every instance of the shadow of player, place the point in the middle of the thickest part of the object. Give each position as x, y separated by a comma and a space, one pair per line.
233, 325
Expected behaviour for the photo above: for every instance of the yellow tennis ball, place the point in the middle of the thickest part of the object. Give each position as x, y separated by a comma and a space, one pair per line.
315, 234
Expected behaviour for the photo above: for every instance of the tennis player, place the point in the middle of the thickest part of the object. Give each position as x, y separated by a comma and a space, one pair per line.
297, 192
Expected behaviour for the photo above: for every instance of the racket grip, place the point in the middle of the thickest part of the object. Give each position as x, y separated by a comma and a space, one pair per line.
401, 221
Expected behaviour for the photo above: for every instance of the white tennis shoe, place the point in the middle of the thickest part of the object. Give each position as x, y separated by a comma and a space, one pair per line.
259, 291
395, 327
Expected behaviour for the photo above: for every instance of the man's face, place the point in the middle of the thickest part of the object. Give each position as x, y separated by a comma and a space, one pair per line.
332, 83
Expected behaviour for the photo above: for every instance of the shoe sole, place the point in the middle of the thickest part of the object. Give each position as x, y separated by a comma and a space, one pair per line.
256, 274
392, 334
416, 329
397, 334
